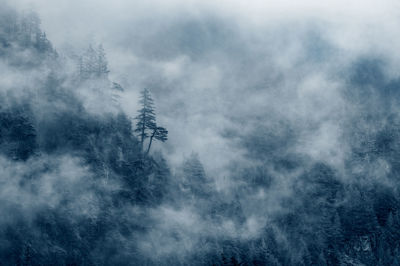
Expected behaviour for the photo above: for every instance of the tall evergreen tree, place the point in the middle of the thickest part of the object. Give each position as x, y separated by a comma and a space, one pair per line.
146, 119
101, 62
87, 63
193, 168
93, 63
146, 126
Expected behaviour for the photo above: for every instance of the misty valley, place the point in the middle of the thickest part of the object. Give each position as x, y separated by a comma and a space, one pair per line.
207, 145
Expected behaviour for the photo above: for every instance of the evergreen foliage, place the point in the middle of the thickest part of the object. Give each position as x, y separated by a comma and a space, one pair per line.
93, 64
146, 126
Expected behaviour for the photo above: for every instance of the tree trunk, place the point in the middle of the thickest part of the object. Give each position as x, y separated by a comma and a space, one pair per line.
151, 140
142, 135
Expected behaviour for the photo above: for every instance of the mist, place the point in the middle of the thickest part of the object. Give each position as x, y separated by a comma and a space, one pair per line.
282, 121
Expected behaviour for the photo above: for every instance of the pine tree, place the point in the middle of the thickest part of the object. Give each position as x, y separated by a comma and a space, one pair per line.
91, 58
42, 43
194, 177
93, 63
146, 119
116, 89
146, 126
193, 168
101, 62
30, 26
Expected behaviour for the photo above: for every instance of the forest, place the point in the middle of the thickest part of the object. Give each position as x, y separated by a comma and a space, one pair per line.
82, 182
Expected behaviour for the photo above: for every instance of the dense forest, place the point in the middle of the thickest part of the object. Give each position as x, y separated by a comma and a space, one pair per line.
81, 182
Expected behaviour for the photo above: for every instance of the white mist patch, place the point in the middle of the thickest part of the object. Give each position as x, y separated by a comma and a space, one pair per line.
185, 232
48, 182
325, 144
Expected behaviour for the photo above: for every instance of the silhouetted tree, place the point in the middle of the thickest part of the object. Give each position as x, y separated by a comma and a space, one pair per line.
146, 126
146, 119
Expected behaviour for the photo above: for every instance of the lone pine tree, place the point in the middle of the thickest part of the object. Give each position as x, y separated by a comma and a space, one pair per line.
146, 126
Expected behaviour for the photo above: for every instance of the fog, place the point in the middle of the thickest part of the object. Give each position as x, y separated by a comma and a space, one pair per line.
210, 62
285, 104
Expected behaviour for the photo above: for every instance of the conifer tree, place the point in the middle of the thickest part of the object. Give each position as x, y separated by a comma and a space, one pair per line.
146, 126
146, 119
193, 168
101, 62
87, 63
93, 63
